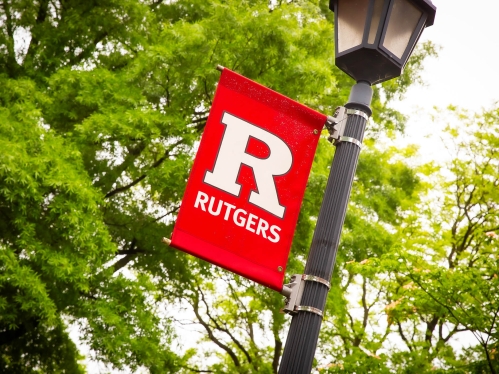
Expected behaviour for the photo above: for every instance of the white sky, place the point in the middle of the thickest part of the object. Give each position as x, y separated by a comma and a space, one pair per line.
464, 74
465, 71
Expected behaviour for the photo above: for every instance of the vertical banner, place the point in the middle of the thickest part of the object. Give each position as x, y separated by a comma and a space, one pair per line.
246, 186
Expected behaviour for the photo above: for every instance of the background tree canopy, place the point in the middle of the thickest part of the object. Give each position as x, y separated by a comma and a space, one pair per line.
101, 106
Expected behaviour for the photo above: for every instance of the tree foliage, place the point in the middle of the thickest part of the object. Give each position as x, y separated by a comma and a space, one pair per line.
432, 285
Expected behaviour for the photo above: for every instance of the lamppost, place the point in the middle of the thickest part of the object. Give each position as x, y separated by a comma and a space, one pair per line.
374, 39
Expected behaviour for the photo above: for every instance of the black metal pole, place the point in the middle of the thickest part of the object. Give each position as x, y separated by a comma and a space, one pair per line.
305, 326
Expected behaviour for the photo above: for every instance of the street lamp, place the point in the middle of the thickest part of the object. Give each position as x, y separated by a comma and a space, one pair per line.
374, 40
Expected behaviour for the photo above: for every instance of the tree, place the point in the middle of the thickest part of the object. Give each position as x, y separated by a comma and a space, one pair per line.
460, 284
102, 103
434, 275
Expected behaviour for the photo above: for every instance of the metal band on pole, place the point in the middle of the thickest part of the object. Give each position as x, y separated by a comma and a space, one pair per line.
313, 278
358, 113
310, 309
350, 140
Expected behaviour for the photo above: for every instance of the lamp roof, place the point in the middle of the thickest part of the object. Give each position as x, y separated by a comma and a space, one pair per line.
427, 5
431, 9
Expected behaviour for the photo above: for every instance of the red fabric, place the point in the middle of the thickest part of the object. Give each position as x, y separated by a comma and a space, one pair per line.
221, 241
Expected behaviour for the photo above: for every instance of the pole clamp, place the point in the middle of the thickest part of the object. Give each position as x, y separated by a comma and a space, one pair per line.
336, 125
294, 292
310, 309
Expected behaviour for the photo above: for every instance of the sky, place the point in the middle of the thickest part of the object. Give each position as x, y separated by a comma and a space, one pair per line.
465, 73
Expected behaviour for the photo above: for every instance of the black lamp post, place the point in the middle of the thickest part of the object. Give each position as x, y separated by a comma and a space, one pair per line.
374, 40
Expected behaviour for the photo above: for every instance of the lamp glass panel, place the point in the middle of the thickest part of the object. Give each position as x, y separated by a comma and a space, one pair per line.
402, 23
378, 8
351, 21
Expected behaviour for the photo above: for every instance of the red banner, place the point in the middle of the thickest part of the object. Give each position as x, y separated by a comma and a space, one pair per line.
246, 186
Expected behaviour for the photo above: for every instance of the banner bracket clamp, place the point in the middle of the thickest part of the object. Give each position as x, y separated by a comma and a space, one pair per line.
294, 291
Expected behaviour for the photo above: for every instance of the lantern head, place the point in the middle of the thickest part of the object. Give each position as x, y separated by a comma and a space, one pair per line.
375, 38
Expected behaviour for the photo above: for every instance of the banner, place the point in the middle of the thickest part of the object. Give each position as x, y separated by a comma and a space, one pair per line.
246, 186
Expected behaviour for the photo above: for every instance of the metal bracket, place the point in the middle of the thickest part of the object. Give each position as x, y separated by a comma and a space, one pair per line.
294, 291
336, 125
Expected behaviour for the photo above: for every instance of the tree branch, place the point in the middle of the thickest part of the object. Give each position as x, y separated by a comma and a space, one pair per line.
197, 370
277, 353
213, 338
364, 303
125, 187
224, 329
404, 338
130, 255
12, 64
175, 209
40, 18
153, 5
76, 59
143, 176
430, 327
133, 153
